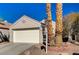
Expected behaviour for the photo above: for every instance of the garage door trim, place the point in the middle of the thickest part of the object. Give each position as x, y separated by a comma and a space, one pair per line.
36, 28
15, 39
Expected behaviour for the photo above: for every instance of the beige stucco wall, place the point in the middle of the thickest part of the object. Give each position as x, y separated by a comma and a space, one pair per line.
26, 22
40, 35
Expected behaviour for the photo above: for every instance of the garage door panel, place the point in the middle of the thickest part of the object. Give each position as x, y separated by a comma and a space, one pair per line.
26, 36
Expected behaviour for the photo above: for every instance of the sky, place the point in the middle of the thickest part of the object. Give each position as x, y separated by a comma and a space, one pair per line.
13, 11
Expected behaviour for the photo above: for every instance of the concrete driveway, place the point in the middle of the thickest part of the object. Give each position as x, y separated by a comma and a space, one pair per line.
14, 48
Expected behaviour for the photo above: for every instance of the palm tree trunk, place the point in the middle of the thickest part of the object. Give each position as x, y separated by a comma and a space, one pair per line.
49, 24
59, 24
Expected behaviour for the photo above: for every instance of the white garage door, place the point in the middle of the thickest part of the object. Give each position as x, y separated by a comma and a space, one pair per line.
26, 36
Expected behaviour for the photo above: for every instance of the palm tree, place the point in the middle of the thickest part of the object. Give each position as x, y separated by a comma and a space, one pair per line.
59, 24
49, 24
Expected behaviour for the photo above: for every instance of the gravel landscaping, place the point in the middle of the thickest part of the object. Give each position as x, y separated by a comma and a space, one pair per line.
66, 49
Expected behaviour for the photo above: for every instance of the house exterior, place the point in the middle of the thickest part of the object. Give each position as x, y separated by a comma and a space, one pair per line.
44, 29
26, 30
53, 23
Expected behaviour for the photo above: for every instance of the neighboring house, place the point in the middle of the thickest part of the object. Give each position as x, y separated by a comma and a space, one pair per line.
26, 30
4, 31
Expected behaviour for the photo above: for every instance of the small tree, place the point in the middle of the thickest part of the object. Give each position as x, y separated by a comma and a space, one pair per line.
75, 27
68, 23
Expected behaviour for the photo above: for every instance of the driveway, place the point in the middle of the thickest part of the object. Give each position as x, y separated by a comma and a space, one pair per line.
14, 48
